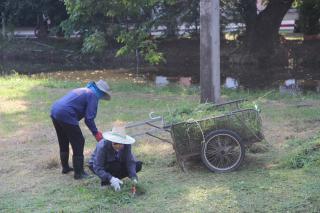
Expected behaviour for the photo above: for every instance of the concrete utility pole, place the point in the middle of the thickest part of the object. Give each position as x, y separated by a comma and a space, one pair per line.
210, 50
3, 25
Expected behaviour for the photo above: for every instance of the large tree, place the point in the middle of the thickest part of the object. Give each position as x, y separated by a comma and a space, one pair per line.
309, 16
262, 28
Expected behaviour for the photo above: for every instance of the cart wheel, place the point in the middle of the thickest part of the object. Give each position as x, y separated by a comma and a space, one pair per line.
222, 151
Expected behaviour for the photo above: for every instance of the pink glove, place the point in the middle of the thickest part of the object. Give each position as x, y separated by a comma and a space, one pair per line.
98, 136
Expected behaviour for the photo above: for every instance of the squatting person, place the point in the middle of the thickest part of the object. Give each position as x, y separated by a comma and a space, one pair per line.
113, 160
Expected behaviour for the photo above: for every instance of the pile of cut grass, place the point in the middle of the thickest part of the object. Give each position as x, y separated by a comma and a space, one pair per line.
203, 111
302, 154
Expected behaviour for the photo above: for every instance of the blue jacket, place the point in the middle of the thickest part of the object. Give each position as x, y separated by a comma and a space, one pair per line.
77, 104
104, 155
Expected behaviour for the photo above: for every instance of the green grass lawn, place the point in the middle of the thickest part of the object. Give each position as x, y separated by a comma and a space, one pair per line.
268, 181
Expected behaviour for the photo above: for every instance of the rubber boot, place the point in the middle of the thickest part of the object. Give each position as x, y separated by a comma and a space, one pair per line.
79, 172
64, 157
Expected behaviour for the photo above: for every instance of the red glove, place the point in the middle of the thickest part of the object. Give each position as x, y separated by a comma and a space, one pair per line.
98, 136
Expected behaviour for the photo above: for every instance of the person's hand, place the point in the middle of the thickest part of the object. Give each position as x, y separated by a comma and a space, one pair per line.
115, 183
134, 180
98, 136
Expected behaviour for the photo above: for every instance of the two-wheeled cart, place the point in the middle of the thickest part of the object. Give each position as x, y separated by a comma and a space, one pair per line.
219, 139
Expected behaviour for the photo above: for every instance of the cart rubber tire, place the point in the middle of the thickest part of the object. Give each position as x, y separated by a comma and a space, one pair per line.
220, 147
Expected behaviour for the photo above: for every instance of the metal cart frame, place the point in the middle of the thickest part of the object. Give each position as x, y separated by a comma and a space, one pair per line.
220, 140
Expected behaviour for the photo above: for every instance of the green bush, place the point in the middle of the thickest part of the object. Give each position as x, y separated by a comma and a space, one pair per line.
94, 43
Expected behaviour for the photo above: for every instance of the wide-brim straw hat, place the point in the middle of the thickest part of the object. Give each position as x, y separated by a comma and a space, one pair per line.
104, 87
118, 135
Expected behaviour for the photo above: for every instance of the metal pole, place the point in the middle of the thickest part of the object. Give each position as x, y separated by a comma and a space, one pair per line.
210, 50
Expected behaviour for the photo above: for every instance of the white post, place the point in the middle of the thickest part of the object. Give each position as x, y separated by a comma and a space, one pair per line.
210, 50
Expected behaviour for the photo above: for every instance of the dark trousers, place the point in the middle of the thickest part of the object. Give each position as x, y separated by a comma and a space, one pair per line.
119, 170
68, 133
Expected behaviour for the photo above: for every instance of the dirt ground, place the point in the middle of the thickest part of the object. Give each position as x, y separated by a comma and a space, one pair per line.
276, 133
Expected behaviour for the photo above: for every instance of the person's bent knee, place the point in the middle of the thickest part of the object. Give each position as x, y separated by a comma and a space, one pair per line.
138, 166
91, 168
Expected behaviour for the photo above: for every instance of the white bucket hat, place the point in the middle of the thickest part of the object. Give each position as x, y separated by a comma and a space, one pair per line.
118, 135
104, 87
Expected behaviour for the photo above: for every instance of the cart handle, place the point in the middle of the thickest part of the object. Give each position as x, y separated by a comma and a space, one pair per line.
162, 139
153, 116
230, 102
140, 123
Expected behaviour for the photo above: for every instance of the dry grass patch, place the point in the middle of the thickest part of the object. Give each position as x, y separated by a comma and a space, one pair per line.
52, 162
12, 106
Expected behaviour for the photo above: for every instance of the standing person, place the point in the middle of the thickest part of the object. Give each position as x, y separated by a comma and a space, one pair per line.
113, 160
66, 114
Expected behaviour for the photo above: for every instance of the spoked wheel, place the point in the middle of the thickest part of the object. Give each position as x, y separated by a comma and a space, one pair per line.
222, 151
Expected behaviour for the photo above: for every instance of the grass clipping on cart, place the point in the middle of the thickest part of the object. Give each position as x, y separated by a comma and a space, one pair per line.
190, 124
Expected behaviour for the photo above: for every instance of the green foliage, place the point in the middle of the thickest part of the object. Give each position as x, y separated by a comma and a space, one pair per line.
152, 56
131, 41
29, 12
94, 43
230, 13
86, 17
309, 16
127, 21
171, 13
302, 154
139, 40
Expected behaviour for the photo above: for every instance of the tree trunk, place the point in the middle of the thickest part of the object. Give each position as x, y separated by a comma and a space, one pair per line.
171, 31
262, 30
3, 24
